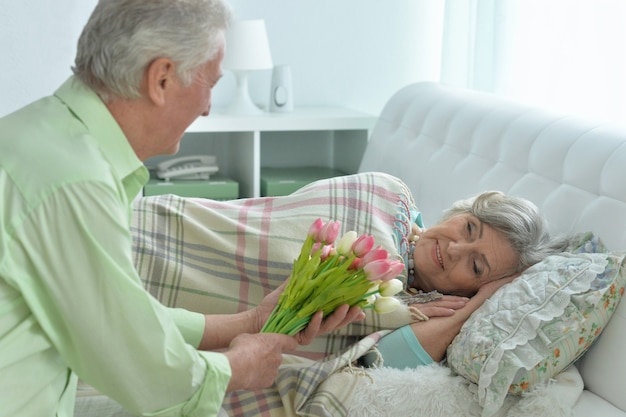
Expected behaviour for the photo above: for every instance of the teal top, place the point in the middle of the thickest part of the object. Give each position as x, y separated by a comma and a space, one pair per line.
399, 349
71, 301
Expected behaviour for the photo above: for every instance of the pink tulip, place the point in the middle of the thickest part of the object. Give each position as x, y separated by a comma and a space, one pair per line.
316, 227
326, 251
395, 268
316, 246
363, 245
376, 270
356, 264
375, 255
329, 232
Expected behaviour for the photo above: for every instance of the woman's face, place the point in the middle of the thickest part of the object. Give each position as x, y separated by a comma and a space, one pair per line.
460, 254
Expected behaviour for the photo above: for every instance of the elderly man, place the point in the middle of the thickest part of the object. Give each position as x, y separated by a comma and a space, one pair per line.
71, 302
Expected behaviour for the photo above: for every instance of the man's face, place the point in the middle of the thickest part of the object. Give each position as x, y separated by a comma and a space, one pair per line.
191, 101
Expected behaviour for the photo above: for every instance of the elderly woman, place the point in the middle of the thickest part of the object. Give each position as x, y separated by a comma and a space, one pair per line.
480, 244
477, 241
228, 256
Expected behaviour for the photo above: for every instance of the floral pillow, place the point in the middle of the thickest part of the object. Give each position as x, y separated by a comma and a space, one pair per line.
535, 327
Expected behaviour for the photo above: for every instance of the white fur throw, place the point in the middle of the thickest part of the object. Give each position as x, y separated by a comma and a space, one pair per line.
434, 391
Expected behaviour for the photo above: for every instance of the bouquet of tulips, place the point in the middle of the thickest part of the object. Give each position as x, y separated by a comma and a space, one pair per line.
328, 274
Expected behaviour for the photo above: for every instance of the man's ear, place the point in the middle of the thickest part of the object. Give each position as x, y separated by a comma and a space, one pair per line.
160, 76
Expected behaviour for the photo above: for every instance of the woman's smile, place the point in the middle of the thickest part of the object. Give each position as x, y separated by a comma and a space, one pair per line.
437, 255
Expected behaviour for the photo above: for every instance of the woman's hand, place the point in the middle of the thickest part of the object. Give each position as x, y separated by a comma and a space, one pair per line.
436, 335
448, 304
442, 307
488, 289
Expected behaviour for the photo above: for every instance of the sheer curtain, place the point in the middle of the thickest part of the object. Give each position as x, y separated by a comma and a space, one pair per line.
566, 55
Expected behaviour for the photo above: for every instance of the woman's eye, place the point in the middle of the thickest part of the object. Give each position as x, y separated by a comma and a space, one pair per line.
470, 227
477, 270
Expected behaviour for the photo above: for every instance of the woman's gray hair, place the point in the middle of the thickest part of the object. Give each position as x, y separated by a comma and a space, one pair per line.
122, 37
518, 219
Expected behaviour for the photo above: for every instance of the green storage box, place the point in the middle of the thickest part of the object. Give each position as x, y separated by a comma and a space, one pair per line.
216, 188
283, 181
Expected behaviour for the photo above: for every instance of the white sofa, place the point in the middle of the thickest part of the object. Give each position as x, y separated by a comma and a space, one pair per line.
447, 143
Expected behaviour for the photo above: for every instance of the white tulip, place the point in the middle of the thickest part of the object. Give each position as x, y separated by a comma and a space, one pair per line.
344, 245
391, 287
386, 305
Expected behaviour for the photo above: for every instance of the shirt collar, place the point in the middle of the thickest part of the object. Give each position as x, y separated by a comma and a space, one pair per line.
92, 112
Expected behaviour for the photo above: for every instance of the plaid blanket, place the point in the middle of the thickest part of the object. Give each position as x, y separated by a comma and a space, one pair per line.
220, 257
306, 388
225, 256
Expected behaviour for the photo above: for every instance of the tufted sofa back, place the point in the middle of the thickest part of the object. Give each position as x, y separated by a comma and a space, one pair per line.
448, 144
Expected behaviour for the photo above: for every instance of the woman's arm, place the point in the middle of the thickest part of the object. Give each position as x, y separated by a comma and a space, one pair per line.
436, 334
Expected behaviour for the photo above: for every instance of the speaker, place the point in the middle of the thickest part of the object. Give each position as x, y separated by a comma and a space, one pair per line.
281, 94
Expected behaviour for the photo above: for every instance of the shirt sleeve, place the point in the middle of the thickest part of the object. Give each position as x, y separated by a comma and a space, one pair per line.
78, 278
190, 324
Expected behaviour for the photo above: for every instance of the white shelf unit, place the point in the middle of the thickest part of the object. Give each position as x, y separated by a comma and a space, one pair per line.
328, 137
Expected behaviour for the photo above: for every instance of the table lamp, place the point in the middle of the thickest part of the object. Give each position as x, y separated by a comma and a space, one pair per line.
247, 49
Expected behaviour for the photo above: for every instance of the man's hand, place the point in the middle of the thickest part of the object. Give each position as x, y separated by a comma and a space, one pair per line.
263, 310
221, 330
255, 358
342, 316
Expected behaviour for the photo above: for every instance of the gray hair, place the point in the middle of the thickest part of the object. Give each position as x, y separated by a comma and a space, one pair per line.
518, 219
122, 37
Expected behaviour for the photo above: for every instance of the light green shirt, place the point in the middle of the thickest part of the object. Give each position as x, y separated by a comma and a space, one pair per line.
71, 302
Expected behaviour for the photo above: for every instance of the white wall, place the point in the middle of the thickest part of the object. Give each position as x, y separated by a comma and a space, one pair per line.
352, 53
37, 47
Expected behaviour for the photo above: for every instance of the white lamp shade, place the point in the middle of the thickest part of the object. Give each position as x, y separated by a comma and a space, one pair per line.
247, 47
